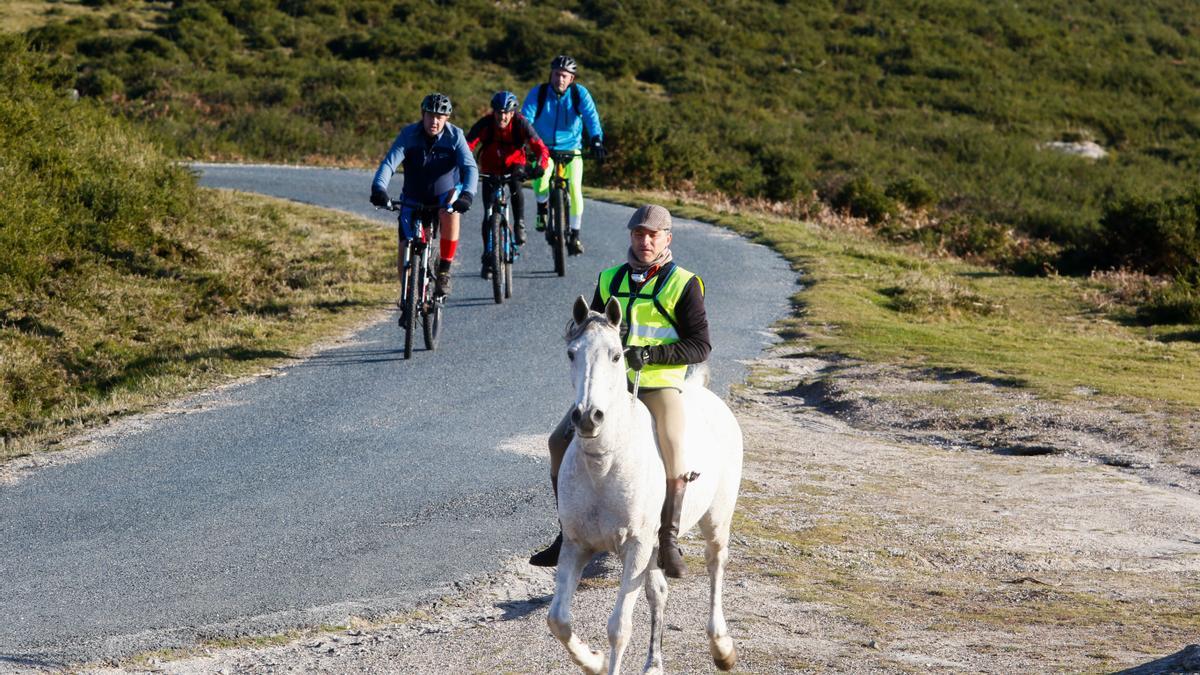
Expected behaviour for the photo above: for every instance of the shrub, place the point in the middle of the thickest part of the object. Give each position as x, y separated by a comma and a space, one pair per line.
1156, 236
863, 199
99, 84
913, 191
1174, 304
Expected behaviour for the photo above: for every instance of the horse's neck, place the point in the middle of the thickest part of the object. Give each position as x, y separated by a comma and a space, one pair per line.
611, 452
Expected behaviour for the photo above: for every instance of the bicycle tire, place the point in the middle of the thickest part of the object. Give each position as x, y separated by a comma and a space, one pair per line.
431, 313
507, 248
413, 288
557, 197
497, 255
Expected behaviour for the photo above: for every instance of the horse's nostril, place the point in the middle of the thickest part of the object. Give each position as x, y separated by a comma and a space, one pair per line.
576, 415
598, 416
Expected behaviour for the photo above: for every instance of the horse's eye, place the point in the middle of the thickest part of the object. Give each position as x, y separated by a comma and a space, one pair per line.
616, 357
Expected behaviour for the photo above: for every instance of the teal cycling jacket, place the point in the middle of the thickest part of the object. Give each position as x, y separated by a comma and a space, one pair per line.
559, 123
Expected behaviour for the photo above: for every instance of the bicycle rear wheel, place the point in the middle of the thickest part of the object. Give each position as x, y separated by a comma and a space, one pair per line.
412, 289
497, 256
558, 217
431, 314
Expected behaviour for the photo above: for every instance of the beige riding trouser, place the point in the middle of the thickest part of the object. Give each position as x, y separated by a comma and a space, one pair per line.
666, 407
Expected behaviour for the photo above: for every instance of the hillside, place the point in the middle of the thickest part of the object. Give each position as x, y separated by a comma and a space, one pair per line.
878, 108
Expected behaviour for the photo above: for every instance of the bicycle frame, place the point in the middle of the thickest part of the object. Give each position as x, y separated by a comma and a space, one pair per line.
560, 206
415, 274
499, 247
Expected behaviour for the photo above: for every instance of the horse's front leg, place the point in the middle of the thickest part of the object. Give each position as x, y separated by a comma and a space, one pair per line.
571, 561
634, 562
656, 595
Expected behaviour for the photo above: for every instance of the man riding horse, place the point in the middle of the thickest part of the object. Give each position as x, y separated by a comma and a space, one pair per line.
664, 329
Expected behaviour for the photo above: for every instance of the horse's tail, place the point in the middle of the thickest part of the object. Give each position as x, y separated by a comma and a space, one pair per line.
698, 374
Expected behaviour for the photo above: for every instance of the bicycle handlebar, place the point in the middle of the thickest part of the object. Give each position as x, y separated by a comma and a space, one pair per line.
397, 204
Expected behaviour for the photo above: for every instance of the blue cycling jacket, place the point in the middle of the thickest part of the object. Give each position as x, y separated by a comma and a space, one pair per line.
559, 124
432, 166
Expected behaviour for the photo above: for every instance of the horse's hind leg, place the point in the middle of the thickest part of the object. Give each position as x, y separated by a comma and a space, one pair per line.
656, 597
716, 554
571, 562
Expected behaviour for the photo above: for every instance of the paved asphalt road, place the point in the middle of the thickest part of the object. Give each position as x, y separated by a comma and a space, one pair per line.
352, 482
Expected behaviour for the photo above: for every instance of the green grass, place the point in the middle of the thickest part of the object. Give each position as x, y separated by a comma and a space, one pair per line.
1051, 334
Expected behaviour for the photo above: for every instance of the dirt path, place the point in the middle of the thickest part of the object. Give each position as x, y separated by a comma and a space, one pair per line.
892, 546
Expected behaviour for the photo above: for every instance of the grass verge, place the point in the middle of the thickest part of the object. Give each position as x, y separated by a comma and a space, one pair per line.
266, 279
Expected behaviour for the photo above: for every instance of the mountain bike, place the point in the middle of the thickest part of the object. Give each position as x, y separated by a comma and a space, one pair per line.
500, 249
559, 209
417, 275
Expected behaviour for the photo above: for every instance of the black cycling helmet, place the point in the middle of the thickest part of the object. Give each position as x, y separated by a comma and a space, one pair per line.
437, 103
504, 101
564, 62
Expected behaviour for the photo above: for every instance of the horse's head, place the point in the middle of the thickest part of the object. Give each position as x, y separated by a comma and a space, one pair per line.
597, 365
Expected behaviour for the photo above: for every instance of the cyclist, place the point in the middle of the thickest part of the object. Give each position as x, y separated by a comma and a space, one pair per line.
504, 136
664, 328
561, 111
439, 170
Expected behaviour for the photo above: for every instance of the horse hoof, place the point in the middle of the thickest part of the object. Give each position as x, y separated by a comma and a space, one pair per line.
727, 662
598, 664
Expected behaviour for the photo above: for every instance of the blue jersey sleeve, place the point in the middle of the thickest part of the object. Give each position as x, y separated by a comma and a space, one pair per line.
391, 161
466, 163
591, 117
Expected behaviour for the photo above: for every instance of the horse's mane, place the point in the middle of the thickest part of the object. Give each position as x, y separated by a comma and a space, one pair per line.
574, 330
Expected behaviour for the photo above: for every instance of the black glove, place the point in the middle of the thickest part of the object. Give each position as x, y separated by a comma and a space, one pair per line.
519, 172
463, 203
379, 198
598, 151
637, 357
534, 171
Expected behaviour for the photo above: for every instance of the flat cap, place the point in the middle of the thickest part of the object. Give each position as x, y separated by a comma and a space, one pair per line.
652, 217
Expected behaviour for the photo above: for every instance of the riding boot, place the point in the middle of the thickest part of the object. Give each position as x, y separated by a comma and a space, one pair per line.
670, 558
441, 286
574, 244
519, 233
543, 211
548, 557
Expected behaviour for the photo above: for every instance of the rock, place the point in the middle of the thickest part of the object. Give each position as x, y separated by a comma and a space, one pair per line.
1086, 149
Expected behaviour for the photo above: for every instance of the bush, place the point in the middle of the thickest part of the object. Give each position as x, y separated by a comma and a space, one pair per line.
913, 191
1156, 236
99, 84
863, 199
1174, 304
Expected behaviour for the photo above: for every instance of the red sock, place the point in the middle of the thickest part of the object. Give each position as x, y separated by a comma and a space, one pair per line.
448, 248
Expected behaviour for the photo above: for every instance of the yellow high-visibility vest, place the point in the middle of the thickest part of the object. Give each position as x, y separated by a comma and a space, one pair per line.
649, 314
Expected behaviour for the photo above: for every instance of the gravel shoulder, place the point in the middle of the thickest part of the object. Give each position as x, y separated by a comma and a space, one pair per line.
889, 521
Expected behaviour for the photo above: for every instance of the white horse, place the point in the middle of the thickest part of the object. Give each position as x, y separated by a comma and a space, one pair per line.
611, 488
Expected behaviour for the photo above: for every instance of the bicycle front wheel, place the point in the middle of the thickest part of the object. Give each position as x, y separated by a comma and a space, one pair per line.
507, 257
413, 288
431, 315
497, 256
558, 217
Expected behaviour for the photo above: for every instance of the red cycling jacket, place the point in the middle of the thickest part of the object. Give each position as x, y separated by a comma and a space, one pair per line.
504, 148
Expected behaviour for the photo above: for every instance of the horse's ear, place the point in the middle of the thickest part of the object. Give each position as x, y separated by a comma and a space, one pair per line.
580, 310
612, 310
